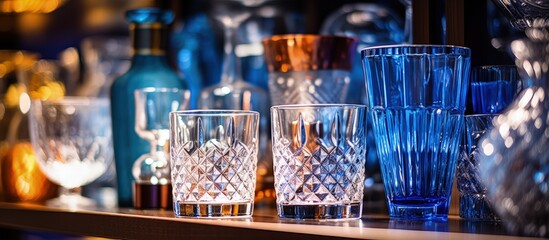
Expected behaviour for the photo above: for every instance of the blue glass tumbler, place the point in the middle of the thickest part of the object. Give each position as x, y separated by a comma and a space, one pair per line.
493, 88
473, 202
417, 98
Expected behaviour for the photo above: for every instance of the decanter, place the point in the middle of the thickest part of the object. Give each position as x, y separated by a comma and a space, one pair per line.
149, 68
514, 156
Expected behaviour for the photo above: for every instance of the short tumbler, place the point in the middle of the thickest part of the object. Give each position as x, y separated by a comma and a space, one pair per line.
493, 88
473, 203
213, 162
417, 96
319, 156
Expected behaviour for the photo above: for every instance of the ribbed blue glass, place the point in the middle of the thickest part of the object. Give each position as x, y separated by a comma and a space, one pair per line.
147, 70
493, 88
417, 98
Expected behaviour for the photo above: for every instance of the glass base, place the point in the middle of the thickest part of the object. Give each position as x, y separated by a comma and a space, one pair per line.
216, 210
71, 201
476, 208
423, 211
320, 211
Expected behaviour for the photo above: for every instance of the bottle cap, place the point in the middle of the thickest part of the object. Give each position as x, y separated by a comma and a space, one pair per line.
152, 196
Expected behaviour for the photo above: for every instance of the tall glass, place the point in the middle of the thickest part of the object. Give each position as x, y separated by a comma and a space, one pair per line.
213, 162
417, 97
319, 155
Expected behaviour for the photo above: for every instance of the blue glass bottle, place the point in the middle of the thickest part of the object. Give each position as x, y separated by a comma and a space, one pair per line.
148, 29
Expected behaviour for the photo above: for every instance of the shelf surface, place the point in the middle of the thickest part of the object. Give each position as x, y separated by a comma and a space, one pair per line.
158, 224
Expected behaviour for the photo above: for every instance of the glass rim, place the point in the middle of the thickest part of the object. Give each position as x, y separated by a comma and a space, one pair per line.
317, 105
73, 100
399, 50
215, 112
160, 89
286, 37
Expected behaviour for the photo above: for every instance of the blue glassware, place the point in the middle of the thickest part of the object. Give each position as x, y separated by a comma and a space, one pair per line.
417, 94
493, 88
473, 202
196, 54
149, 69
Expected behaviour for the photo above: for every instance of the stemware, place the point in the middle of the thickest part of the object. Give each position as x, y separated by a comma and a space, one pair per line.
232, 92
73, 142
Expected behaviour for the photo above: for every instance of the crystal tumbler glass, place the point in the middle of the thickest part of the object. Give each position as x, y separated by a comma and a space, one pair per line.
493, 88
473, 202
309, 69
319, 155
213, 162
417, 96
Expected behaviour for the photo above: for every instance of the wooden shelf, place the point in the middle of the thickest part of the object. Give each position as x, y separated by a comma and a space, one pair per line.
156, 224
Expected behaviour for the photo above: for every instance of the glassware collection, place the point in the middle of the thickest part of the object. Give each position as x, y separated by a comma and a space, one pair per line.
327, 107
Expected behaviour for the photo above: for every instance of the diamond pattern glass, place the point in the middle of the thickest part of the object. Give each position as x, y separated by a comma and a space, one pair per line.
213, 162
319, 155
473, 202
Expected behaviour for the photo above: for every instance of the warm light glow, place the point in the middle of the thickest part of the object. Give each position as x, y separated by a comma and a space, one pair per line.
30, 6
24, 179
11, 98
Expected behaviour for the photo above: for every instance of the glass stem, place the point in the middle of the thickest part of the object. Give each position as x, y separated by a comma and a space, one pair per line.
231, 63
157, 146
77, 191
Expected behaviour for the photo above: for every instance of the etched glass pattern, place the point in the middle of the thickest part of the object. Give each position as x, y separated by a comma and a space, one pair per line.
319, 156
473, 202
214, 162
215, 171
311, 87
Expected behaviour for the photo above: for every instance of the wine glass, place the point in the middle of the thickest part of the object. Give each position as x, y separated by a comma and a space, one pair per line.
72, 139
232, 92
152, 108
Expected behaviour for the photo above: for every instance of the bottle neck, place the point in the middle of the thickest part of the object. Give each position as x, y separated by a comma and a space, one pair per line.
148, 39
